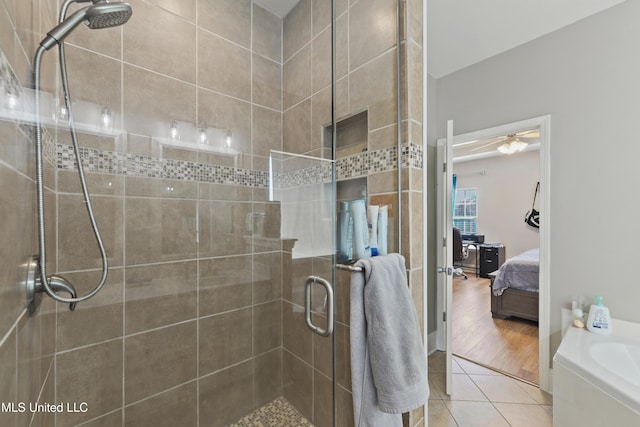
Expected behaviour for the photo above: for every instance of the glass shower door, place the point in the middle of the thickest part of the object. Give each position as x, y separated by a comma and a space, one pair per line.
305, 188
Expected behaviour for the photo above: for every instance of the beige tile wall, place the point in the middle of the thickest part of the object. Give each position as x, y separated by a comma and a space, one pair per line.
366, 80
199, 314
27, 344
183, 318
207, 324
413, 190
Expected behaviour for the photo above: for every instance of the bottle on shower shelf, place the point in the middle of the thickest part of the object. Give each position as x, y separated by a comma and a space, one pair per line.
360, 229
345, 234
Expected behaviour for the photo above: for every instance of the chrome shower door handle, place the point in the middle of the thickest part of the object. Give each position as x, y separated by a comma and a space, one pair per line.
307, 305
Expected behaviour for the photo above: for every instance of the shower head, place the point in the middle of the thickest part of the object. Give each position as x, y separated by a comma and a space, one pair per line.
106, 15
97, 16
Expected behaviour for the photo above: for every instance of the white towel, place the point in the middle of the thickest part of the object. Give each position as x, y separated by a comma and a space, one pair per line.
388, 362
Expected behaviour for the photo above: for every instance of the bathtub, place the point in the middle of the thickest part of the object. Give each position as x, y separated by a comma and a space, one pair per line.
596, 378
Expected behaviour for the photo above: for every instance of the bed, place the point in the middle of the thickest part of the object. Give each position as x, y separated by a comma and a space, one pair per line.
514, 287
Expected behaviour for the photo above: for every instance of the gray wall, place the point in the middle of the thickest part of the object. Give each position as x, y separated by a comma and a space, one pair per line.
586, 77
505, 193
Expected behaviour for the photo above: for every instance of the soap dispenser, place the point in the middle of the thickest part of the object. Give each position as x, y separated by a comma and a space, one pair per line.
599, 320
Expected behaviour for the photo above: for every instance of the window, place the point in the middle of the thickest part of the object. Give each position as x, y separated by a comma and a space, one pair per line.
465, 214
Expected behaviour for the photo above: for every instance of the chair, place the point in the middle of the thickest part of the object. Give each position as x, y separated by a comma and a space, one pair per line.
459, 251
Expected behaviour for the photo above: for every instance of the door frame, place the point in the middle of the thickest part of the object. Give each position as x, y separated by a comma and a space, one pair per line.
544, 124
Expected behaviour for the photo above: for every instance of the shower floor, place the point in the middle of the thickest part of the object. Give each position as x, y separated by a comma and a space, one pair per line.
277, 413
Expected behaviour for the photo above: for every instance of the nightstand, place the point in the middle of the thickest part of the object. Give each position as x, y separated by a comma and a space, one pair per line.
492, 256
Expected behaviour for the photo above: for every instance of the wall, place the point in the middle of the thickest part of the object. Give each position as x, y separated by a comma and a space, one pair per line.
366, 80
192, 306
413, 191
585, 77
505, 193
196, 295
307, 368
199, 322
27, 344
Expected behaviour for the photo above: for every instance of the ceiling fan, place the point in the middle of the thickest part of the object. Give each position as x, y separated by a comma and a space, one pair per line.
511, 143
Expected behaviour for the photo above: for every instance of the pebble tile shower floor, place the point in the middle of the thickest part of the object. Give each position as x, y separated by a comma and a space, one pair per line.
277, 413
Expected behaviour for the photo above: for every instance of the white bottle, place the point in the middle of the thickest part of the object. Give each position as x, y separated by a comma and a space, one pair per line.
599, 320
383, 219
372, 218
360, 229
345, 234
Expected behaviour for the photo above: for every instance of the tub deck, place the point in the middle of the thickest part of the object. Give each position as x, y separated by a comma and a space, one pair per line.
596, 378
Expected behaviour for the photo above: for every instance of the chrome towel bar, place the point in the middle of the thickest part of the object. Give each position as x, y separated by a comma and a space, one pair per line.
348, 267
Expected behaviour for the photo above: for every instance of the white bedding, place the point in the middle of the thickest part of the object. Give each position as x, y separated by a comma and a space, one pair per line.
519, 272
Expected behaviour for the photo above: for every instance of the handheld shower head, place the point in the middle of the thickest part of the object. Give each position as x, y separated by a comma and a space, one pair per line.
106, 15
101, 14
97, 16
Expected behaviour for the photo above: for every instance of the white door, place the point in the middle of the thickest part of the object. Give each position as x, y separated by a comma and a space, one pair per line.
445, 254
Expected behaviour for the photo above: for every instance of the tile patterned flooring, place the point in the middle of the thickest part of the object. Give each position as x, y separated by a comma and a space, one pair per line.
277, 413
481, 397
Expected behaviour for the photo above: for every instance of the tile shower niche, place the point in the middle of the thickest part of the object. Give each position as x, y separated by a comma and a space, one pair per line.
366, 168
351, 143
356, 165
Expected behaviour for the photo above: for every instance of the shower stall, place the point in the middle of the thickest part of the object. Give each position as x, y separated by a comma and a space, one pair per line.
217, 139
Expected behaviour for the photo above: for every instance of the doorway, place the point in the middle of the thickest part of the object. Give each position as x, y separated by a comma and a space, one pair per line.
494, 182
445, 288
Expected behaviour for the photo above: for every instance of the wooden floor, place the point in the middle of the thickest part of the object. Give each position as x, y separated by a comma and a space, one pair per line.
509, 346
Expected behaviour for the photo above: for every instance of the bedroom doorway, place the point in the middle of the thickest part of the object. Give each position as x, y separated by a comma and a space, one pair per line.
493, 186
499, 201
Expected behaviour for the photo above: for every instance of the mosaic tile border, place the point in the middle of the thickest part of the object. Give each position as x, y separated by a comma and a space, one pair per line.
117, 163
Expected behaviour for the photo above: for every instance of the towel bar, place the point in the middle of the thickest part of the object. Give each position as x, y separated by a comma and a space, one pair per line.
348, 267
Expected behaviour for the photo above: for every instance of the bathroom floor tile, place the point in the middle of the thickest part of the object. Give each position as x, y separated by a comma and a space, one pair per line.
455, 367
434, 392
542, 397
502, 389
437, 363
525, 415
482, 397
476, 414
439, 415
463, 389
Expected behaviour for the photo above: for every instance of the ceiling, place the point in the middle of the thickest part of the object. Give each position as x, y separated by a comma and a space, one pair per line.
463, 32
484, 148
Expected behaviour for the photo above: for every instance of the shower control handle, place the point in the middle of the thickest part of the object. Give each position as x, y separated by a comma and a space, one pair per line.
33, 286
329, 303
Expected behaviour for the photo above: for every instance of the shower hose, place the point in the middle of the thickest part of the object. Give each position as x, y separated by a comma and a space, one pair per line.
39, 177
